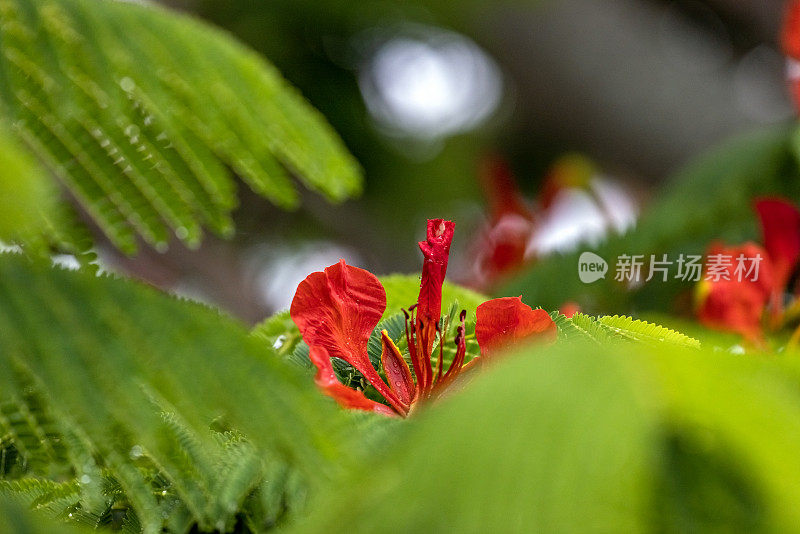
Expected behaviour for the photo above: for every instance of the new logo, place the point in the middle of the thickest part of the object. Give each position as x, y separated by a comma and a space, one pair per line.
591, 267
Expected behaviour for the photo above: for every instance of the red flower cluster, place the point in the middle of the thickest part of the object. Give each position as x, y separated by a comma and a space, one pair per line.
741, 305
337, 310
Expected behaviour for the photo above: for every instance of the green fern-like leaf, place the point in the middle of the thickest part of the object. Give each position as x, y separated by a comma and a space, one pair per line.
41, 493
34, 429
610, 329
139, 112
647, 332
582, 327
395, 327
131, 382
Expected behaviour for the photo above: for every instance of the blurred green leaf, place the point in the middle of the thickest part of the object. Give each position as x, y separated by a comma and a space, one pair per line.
278, 332
27, 192
15, 519
743, 414
577, 438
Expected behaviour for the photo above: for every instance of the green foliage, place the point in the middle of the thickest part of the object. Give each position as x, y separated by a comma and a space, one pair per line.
127, 409
122, 408
609, 329
582, 327
140, 112
119, 406
279, 332
643, 331
15, 519
708, 337
741, 412
601, 438
710, 199
25, 185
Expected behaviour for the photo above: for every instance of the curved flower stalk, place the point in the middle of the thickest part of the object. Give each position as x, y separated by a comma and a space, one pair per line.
745, 305
337, 309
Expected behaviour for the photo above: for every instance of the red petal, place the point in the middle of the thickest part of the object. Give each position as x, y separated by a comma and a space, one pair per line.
765, 282
790, 34
436, 250
501, 189
569, 308
504, 245
780, 225
397, 372
337, 310
734, 305
346, 397
505, 321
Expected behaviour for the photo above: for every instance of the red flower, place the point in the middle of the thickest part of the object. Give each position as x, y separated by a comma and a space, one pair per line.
780, 228
732, 304
501, 244
337, 310
790, 33
739, 305
790, 40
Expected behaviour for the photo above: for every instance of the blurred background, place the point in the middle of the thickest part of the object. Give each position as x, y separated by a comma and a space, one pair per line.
563, 114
